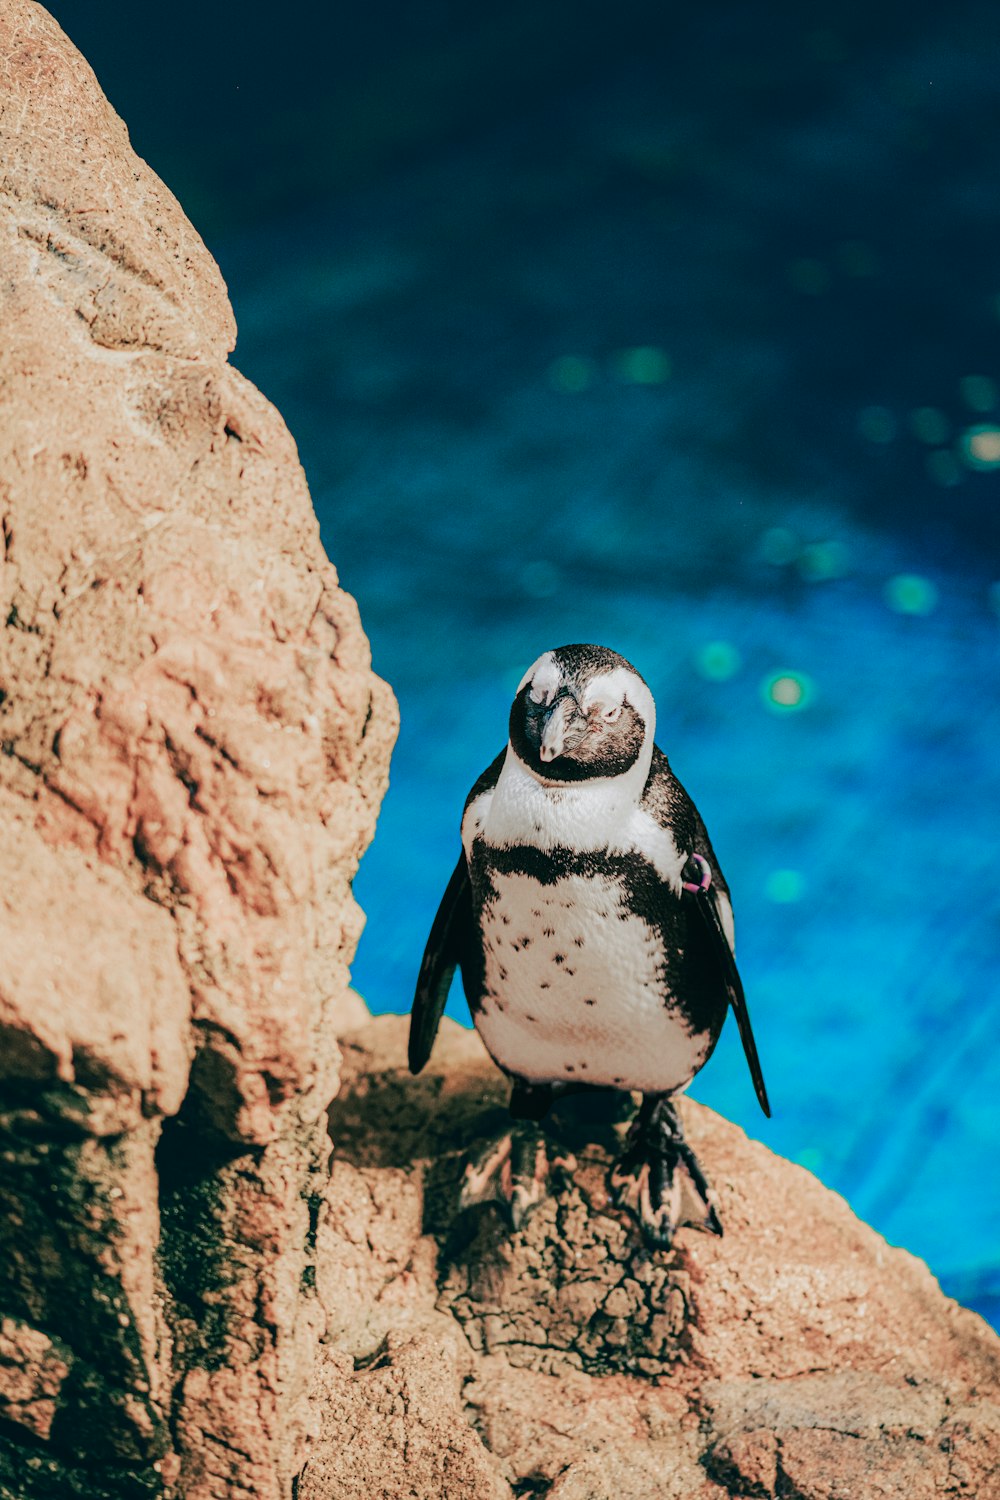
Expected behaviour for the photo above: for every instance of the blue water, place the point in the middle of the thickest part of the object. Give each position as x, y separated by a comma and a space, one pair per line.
726, 400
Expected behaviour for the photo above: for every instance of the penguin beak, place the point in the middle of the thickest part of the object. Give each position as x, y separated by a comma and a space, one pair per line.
557, 736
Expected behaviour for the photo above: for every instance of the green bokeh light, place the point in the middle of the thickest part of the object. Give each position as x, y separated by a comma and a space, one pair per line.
645, 365
929, 425
787, 692
572, 373
823, 560
981, 447
718, 661
910, 594
779, 546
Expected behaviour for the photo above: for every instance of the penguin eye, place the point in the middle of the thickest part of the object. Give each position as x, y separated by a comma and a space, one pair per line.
611, 714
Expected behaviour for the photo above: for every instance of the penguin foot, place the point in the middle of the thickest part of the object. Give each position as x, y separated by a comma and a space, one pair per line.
657, 1178
513, 1172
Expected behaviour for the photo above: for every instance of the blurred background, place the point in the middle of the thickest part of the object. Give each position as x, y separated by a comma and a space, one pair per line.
673, 328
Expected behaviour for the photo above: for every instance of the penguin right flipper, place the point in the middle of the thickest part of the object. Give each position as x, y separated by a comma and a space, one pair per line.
706, 903
448, 941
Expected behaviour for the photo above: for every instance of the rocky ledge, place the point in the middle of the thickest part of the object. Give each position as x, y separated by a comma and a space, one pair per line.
799, 1356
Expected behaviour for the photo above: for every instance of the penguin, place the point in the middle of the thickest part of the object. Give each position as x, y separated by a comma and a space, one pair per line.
593, 929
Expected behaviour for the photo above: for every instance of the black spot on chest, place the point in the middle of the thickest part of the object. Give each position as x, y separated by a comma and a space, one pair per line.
687, 969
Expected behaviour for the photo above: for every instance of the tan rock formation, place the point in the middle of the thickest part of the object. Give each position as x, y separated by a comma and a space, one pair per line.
193, 1305
194, 752
799, 1356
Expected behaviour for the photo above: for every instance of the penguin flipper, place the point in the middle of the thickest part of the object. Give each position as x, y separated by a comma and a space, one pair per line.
707, 905
442, 955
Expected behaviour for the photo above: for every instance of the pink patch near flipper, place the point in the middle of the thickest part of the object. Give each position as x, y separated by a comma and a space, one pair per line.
703, 870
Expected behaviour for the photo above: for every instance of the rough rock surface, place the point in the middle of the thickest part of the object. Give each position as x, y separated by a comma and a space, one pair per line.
799, 1356
193, 1303
194, 752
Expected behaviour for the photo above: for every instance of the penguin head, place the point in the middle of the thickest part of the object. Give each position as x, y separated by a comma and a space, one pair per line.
582, 713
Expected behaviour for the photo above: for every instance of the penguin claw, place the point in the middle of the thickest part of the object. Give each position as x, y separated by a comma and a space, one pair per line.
659, 1182
522, 1201
513, 1172
483, 1175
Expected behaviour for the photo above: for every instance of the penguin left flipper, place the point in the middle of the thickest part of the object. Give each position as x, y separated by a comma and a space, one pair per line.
446, 944
706, 903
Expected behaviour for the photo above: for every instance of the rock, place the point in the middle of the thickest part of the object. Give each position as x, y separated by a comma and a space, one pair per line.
401, 1430
32, 1372
799, 1355
194, 753
195, 1303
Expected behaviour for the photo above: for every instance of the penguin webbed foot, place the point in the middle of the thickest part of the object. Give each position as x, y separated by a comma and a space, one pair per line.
513, 1170
658, 1179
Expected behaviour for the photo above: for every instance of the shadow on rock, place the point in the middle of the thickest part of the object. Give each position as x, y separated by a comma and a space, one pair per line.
574, 1287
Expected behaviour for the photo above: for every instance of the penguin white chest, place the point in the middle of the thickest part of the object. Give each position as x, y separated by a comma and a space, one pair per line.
575, 990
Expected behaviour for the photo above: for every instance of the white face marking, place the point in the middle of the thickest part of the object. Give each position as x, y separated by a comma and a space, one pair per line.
609, 690
545, 679
583, 998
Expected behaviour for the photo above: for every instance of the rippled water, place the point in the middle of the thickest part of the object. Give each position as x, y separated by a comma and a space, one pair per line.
725, 400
